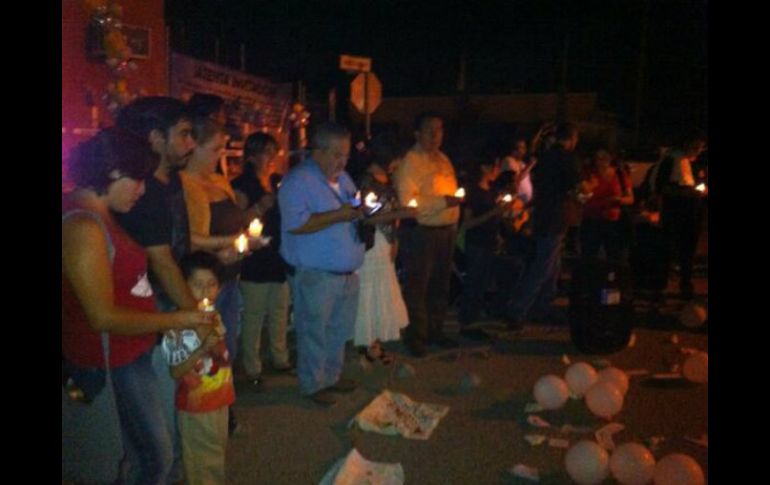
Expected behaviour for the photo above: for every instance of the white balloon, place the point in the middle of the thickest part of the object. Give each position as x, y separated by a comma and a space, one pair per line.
614, 376
678, 469
587, 463
580, 376
696, 367
604, 399
632, 464
551, 392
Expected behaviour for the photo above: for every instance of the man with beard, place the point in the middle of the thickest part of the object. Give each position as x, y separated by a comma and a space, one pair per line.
319, 240
158, 222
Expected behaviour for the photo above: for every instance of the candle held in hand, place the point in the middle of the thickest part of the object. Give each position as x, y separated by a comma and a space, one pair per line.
370, 200
242, 243
701, 187
507, 198
412, 203
460, 194
255, 228
205, 305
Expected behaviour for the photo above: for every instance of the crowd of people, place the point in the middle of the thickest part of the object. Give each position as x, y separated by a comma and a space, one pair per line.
159, 256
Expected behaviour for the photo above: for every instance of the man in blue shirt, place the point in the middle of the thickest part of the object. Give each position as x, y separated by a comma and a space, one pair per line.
319, 240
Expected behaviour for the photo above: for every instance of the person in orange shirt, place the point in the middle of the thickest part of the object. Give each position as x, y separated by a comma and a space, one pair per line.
426, 176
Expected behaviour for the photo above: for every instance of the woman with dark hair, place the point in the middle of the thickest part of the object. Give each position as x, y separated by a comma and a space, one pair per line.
263, 278
610, 188
216, 222
381, 310
105, 289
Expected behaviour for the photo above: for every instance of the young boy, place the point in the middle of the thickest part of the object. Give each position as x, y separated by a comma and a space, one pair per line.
201, 364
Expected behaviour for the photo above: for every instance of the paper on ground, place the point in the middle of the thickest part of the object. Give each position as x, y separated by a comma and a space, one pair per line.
354, 469
535, 439
702, 441
537, 421
526, 472
604, 435
533, 407
392, 413
558, 443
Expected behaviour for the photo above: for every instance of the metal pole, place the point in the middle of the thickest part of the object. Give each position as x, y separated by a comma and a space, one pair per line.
366, 106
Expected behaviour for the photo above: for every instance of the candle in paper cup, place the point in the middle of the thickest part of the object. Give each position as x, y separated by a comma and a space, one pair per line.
255, 228
205, 305
460, 194
412, 203
242, 243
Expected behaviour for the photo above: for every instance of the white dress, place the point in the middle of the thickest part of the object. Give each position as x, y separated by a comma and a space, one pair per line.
381, 310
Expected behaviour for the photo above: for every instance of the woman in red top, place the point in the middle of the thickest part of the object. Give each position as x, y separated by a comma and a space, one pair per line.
105, 289
610, 188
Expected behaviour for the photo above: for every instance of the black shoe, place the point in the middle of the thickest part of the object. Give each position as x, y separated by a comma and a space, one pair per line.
344, 385
445, 342
285, 369
323, 398
474, 334
416, 348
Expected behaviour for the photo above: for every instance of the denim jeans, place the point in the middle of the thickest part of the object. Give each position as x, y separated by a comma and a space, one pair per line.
325, 307
143, 421
538, 286
229, 304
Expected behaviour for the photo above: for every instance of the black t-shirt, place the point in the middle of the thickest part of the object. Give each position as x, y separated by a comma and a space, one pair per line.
160, 218
265, 265
481, 201
552, 179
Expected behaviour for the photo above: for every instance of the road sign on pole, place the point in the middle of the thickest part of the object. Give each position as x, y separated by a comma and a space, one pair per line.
366, 94
355, 64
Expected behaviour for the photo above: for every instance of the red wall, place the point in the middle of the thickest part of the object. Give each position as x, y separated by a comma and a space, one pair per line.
80, 74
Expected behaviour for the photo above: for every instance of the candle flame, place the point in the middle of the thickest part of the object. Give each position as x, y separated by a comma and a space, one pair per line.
701, 187
371, 199
507, 198
241, 243
205, 305
255, 228
412, 203
460, 193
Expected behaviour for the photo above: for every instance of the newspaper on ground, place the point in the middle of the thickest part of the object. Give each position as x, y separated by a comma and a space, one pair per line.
354, 469
392, 413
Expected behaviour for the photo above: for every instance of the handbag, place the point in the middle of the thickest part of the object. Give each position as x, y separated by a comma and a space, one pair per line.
92, 447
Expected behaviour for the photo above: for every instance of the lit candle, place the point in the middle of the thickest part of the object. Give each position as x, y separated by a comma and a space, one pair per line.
507, 198
255, 228
205, 305
701, 187
370, 200
460, 194
412, 203
242, 243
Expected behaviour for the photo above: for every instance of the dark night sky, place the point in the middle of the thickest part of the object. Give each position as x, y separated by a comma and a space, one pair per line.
512, 46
